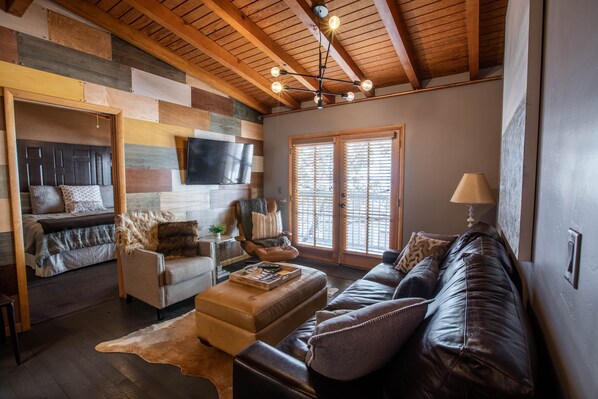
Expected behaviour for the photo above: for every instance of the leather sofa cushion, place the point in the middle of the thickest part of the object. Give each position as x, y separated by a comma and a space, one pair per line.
183, 269
360, 294
487, 246
475, 339
386, 274
295, 344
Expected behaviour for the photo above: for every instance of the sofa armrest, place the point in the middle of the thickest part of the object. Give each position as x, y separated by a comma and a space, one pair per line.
142, 261
262, 371
205, 249
391, 255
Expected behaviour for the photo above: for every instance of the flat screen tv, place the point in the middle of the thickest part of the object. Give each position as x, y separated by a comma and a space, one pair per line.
218, 162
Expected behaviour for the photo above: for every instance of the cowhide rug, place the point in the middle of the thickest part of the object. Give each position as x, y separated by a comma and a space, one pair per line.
175, 342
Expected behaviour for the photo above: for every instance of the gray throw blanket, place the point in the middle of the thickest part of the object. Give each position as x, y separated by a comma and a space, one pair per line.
251, 205
280, 241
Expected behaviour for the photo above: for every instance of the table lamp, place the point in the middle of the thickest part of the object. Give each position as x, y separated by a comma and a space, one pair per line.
473, 189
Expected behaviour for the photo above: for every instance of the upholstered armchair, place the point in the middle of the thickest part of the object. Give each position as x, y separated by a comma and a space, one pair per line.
154, 278
276, 248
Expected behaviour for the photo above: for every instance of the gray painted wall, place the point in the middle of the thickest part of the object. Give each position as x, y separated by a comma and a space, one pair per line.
447, 132
567, 194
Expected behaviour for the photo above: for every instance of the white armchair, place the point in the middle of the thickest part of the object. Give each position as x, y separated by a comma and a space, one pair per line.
159, 282
143, 237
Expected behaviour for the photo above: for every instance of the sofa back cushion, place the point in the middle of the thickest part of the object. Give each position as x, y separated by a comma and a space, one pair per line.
474, 342
420, 281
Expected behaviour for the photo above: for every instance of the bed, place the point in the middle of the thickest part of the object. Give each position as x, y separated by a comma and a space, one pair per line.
59, 242
67, 203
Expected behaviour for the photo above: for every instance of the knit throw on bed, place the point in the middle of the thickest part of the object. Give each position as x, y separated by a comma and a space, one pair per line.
139, 230
247, 206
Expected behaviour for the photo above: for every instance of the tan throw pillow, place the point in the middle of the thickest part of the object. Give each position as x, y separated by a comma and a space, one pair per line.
82, 198
419, 248
266, 226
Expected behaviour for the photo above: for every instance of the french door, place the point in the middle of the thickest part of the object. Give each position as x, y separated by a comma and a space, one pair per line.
345, 196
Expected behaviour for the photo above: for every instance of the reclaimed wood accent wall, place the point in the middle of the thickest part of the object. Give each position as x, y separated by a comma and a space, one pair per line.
48, 52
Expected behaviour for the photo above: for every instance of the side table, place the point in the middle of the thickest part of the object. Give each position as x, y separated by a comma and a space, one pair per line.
8, 303
224, 251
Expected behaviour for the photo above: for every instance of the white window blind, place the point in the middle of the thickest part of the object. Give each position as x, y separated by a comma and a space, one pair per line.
368, 172
313, 194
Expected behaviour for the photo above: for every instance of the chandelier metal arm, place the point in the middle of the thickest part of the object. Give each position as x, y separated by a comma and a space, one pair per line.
354, 83
325, 93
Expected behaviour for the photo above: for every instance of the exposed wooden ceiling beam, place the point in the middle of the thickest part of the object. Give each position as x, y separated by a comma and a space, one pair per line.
303, 11
16, 7
472, 12
168, 19
235, 18
125, 32
399, 36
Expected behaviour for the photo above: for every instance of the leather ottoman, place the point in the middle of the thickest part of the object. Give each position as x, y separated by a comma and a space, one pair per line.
231, 316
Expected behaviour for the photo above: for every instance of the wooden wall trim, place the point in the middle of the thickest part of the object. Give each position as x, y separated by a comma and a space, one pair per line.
15, 206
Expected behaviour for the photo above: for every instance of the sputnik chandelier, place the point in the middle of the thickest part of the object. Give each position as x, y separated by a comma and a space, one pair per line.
321, 11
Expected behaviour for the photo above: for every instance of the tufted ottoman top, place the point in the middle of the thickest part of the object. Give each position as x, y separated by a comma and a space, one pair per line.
253, 309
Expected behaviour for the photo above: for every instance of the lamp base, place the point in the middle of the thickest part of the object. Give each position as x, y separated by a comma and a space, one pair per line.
470, 220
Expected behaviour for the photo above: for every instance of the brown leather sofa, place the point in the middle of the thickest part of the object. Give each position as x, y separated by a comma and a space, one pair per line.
474, 342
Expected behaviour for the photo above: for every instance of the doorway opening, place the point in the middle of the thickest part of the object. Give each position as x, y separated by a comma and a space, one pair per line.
13, 99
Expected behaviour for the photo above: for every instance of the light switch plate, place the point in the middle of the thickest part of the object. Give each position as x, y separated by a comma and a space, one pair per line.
573, 254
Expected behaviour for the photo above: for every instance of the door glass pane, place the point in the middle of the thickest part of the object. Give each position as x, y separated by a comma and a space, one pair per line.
313, 179
368, 171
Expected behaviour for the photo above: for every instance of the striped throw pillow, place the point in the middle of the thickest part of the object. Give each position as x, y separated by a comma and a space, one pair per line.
266, 226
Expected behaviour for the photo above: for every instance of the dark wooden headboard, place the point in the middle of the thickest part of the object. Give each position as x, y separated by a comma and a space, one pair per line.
52, 164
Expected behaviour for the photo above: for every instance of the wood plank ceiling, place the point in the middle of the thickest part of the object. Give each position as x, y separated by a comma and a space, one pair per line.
233, 44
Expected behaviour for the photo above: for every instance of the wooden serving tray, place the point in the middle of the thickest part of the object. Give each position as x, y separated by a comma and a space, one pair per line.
255, 276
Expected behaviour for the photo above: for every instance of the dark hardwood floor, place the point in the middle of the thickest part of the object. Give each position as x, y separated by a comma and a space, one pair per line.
59, 359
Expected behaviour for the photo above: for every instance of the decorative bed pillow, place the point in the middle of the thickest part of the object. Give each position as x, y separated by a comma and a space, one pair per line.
355, 344
420, 281
107, 194
85, 195
266, 226
418, 248
178, 239
46, 199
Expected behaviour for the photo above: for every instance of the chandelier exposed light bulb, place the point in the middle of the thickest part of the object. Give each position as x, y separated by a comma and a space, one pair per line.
334, 22
276, 87
275, 71
367, 85
316, 98
349, 96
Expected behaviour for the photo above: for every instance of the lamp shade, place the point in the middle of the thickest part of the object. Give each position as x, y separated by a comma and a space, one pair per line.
473, 189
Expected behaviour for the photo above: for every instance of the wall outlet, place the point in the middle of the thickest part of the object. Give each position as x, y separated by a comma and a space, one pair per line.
573, 252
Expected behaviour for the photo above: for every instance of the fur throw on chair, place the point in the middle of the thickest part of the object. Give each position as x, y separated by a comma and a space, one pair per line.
139, 230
